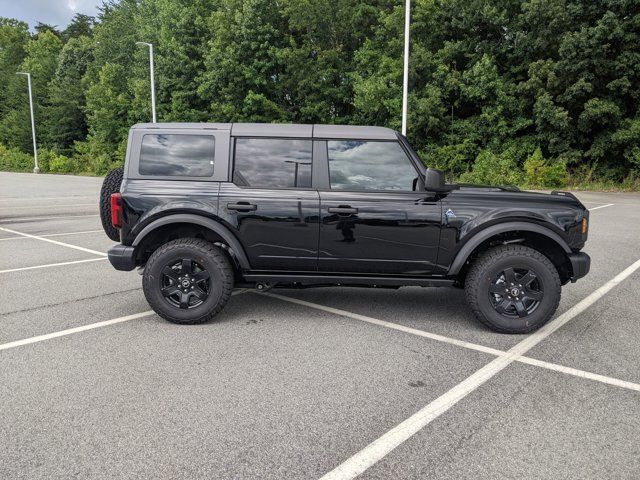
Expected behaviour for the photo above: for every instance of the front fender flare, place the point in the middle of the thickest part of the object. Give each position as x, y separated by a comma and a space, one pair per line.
206, 222
468, 248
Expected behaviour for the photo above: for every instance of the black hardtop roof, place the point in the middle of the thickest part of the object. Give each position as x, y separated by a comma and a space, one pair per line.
286, 130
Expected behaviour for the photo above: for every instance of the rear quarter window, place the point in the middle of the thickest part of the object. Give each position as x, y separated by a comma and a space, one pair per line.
176, 155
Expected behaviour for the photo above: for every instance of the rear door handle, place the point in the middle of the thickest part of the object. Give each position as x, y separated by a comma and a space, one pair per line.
346, 210
242, 206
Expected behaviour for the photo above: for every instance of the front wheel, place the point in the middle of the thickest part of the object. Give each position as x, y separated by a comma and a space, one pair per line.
513, 289
187, 281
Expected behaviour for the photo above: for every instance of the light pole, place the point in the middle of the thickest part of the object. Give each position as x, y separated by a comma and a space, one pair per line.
153, 85
405, 80
297, 164
33, 123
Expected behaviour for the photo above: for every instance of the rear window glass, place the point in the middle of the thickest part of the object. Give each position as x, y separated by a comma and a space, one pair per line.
272, 163
177, 155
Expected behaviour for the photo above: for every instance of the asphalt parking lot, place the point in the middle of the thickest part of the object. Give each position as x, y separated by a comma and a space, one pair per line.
307, 383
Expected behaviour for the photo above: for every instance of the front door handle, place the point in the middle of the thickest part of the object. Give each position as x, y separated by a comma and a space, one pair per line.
343, 210
242, 206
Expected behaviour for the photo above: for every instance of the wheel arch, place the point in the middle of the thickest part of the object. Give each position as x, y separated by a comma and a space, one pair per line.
198, 223
537, 236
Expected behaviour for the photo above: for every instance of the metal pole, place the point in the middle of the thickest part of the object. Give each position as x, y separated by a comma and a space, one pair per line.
153, 83
405, 81
36, 169
152, 78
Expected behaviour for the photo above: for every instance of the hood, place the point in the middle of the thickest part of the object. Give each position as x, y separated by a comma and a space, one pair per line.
505, 193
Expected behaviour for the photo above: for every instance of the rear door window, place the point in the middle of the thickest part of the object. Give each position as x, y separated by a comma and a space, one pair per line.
272, 163
177, 155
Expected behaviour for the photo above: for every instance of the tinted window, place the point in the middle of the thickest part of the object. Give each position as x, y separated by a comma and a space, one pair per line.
177, 155
361, 165
272, 163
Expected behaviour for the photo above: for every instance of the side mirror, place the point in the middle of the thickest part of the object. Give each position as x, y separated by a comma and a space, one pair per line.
434, 181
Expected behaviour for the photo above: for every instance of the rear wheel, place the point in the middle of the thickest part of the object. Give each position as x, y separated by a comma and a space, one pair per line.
187, 281
110, 184
513, 289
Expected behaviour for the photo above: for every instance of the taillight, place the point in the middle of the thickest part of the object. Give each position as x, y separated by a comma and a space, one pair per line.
116, 210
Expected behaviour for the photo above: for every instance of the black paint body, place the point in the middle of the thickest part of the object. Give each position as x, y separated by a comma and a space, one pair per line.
317, 231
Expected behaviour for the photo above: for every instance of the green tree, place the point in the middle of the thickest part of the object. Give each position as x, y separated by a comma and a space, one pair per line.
495, 85
81, 25
14, 36
108, 95
242, 73
40, 60
65, 120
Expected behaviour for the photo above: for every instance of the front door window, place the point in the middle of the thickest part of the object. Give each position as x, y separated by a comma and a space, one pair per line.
369, 165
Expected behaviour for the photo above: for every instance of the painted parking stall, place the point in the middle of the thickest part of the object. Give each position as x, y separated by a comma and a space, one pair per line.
333, 383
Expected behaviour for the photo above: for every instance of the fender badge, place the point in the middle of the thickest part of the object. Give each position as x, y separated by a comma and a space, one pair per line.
449, 213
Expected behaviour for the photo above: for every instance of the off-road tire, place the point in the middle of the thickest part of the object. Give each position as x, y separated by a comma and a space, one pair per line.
110, 184
489, 265
214, 261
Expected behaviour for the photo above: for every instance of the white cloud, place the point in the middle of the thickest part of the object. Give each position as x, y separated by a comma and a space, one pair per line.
54, 12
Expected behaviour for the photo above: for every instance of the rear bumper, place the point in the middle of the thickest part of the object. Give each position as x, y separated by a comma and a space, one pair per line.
122, 257
580, 265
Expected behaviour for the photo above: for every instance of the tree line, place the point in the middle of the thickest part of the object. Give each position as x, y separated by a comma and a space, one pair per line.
539, 92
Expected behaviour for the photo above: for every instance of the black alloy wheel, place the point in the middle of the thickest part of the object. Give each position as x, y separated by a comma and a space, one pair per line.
185, 283
513, 288
188, 280
516, 292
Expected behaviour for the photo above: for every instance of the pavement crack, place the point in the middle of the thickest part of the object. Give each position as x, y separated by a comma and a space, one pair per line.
69, 302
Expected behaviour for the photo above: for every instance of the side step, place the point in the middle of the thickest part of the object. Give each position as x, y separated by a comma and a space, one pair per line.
307, 280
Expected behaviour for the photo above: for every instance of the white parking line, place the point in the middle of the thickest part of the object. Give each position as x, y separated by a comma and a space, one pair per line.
381, 447
616, 382
84, 328
23, 199
52, 265
393, 326
52, 235
54, 205
464, 344
71, 331
29, 219
55, 242
602, 206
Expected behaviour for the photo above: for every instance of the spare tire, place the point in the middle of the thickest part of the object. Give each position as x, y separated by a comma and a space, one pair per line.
111, 184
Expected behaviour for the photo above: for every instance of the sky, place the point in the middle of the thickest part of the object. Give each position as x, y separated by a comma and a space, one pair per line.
54, 12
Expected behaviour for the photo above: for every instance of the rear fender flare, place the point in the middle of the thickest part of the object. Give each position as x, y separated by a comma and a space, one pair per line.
206, 222
468, 248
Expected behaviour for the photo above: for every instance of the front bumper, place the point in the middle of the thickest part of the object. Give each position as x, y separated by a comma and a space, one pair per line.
122, 257
580, 265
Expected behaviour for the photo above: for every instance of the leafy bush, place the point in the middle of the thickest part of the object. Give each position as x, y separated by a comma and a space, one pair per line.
61, 164
494, 169
95, 158
539, 172
13, 160
45, 158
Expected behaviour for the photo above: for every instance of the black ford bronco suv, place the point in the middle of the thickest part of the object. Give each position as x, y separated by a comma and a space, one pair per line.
206, 208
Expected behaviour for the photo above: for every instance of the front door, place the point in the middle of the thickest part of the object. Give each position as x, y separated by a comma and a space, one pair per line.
271, 204
375, 217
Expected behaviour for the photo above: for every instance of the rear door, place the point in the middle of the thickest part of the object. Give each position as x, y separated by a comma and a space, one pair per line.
271, 204
375, 215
